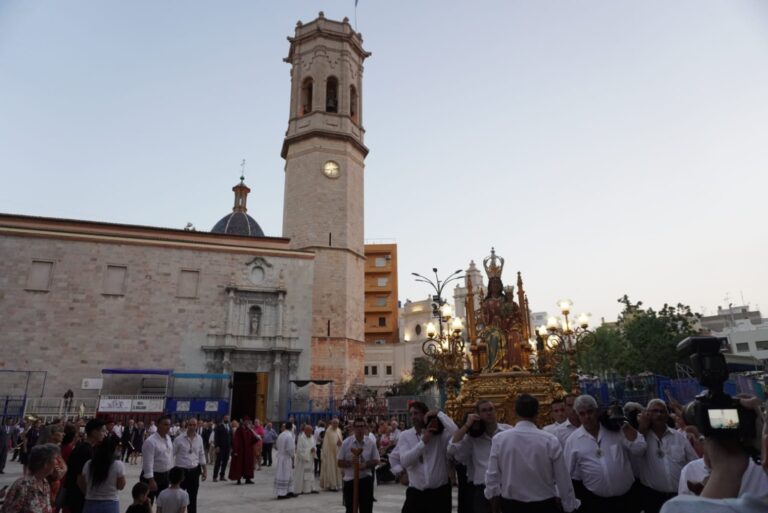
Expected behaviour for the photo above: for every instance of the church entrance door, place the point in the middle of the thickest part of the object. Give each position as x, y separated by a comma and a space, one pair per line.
249, 395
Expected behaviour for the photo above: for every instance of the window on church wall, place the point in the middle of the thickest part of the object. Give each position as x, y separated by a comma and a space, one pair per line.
39, 277
114, 280
188, 283
332, 95
306, 97
374, 370
353, 103
254, 321
389, 370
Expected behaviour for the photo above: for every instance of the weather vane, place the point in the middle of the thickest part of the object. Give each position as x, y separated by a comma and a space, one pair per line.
242, 170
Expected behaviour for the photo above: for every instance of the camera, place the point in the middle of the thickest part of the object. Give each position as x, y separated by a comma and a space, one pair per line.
477, 429
715, 413
433, 422
613, 417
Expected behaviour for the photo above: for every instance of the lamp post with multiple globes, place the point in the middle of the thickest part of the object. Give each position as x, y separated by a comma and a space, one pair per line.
560, 337
445, 346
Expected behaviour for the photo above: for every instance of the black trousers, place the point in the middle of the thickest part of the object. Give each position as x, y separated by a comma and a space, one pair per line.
479, 503
365, 498
546, 506
591, 503
191, 484
652, 500
266, 454
161, 479
318, 462
434, 500
220, 466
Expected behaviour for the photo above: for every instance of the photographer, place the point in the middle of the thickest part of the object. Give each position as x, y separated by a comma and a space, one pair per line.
598, 461
667, 452
422, 452
471, 445
732, 481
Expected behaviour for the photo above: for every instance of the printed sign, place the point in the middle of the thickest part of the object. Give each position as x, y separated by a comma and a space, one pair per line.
92, 384
148, 405
182, 406
114, 405
211, 405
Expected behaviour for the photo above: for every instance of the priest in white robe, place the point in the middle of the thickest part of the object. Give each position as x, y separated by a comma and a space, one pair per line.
306, 452
285, 448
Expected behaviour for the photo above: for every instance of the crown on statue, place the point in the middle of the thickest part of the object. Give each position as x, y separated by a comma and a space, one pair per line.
493, 265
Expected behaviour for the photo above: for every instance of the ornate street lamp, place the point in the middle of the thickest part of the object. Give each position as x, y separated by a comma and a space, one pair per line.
445, 346
560, 337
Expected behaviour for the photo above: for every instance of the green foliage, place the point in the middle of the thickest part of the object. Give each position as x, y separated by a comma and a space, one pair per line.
643, 340
420, 374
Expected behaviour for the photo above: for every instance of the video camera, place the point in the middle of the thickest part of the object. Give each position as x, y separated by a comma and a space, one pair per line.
715, 413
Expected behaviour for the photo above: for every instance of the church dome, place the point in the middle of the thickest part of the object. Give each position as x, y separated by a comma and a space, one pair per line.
238, 222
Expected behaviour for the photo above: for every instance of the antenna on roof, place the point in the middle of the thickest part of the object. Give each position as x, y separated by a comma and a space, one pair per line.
242, 170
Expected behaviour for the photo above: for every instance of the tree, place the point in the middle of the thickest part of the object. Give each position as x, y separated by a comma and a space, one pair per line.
643, 340
418, 381
652, 337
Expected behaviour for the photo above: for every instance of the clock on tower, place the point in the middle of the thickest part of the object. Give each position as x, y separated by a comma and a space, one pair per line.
323, 209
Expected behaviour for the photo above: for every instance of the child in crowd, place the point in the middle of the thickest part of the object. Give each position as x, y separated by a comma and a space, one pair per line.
173, 499
140, 504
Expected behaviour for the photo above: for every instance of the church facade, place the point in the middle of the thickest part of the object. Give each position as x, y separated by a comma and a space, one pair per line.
81, 296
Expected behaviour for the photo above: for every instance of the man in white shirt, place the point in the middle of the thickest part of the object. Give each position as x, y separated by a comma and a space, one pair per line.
472, 448
157, 458
395, 434
557, 410
422, 452
526, 469
189, 454
667, 452
571, 423
286, 448
598, 461
369, 458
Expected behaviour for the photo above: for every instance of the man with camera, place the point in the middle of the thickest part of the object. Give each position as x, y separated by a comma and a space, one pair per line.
598, 460
667, 452
471, 445
422, 452
526, 469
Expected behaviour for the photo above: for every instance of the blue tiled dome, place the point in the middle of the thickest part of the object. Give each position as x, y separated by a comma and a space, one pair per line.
238, 223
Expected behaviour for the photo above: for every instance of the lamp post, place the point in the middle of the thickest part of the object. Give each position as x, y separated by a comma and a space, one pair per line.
560, 337
444, 346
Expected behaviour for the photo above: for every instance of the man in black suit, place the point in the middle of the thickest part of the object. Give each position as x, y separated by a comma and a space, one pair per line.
206, 434
126, 440
222, 441
6, 431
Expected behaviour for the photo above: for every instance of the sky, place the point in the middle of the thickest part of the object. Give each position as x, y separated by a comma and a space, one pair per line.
602, 147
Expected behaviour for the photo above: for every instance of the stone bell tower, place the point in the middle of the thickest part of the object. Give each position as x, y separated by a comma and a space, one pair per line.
323, 210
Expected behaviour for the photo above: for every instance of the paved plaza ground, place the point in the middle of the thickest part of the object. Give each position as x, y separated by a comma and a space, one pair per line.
230, 498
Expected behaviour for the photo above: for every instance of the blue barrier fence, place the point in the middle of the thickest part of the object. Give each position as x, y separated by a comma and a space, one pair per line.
643, 389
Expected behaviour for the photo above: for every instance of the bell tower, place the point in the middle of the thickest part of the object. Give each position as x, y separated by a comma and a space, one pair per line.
324, 157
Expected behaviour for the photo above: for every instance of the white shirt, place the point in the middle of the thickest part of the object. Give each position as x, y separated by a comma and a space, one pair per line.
659, 467
602, 464
691, 504
552, 428
171, 500
156, 455
107, 489
695, 471
285, 444
525, 464
152, 429
188, 452
564, 431
426, 464
369, 453
393, 436
474, 452
318, 432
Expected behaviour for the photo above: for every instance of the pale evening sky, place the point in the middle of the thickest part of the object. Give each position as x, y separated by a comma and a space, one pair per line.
603, 147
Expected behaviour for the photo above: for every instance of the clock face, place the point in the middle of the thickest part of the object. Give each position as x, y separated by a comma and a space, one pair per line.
331, 169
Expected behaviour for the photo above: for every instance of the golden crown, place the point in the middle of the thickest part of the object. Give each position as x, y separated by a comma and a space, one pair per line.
493, 265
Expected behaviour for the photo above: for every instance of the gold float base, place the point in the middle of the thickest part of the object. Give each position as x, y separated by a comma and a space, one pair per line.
502, 388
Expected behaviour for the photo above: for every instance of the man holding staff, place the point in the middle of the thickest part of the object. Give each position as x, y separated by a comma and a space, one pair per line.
368, 457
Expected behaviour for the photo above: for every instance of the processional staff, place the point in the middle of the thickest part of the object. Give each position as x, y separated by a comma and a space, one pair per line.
356, 452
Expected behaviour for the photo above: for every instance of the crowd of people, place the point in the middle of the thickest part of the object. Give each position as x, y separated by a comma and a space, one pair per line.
626, 458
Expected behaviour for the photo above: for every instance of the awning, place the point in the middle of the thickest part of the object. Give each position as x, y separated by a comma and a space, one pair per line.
304, 382
154, 372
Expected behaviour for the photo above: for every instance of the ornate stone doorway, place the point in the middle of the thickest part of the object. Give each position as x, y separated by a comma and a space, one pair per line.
249, 395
